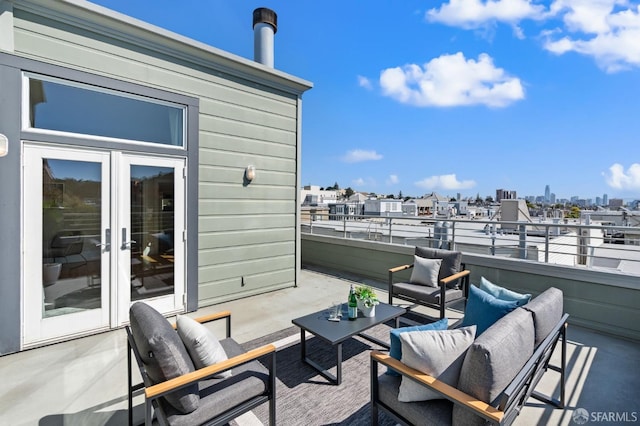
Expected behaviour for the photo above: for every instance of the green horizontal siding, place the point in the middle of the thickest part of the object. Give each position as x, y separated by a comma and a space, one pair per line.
245, 230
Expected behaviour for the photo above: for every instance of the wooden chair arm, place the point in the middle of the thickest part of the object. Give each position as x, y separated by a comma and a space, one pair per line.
209, 318
455, 276
213, 317
456, 396
195, 376
400, 268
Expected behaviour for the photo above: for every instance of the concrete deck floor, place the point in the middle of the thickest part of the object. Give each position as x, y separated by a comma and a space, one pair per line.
83, 381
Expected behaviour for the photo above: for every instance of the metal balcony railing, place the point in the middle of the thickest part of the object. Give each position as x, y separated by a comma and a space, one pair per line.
557, 241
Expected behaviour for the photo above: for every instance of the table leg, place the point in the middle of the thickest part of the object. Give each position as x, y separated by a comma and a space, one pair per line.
339, 364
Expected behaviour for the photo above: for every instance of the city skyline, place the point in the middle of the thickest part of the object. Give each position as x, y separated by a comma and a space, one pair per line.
452, 96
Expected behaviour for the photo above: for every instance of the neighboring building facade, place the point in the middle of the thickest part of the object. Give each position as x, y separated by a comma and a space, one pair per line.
313, 195
505, 194
126, 174
384, 208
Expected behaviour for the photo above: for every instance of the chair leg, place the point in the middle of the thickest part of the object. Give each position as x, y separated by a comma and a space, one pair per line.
130, 384
563, 366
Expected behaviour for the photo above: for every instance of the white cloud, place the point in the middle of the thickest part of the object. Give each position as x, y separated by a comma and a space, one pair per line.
473, 14
452, 80
358, 182
364, 82
445, 182
599, 29
617, 178
359, 155
392, 180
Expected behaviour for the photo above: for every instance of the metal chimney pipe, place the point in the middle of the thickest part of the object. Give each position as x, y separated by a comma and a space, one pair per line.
265, 25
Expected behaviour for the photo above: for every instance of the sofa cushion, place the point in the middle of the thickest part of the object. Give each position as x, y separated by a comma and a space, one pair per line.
395, 347
436, 412
219, 395
436, 353
451, 261
547, 310
493, 360
163, 353
202, 345
425, 271
484, 309
503, 293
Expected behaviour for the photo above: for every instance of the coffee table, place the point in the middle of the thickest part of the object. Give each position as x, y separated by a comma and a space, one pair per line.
336, 333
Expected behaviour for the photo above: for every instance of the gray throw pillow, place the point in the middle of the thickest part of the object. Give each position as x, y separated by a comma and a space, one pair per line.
436, 353
163, 354
425, 271
203, 347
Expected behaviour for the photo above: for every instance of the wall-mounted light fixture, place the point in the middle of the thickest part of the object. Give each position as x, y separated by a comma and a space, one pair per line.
4, 145
250, 173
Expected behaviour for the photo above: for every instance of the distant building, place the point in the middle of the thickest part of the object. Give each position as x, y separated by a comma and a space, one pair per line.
547, 194
385, 208
505, 194
605, 200
616, 202
312, 195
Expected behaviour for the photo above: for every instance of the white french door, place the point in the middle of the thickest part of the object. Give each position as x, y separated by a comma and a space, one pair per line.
101, 229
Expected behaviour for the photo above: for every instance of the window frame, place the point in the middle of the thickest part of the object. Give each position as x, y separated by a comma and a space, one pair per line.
26, 115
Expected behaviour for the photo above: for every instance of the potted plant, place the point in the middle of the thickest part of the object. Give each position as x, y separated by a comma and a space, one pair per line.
367, 300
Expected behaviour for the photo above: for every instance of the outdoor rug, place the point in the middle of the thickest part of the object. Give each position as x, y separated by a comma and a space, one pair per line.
304, 397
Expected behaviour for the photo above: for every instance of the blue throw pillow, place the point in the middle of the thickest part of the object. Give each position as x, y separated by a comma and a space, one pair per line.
484, 309
503, 293
395, 347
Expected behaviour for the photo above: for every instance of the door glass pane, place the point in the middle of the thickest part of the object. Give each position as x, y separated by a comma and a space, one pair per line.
71, 237
152, 226
77, 108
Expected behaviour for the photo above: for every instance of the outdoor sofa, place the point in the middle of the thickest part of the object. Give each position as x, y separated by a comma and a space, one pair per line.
499, 371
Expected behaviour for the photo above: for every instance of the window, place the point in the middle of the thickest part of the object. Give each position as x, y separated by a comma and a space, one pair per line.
64, 106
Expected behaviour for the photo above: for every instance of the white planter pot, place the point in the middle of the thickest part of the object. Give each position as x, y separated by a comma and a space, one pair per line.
368, 312
50, 273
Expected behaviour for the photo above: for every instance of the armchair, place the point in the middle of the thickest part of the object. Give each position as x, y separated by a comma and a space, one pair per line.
178, 393
452, 284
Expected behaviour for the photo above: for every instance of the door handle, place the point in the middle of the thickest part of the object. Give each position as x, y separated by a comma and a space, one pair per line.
107, 238
126, 245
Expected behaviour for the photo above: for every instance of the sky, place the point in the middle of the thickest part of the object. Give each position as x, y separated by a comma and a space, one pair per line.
458, 96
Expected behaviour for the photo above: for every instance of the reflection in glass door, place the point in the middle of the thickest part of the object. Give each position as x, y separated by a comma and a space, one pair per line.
71, 235
151, 232
152, 229
66, 242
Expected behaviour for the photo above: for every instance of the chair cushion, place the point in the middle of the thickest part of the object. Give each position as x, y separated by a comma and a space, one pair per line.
547, 310
451, 261
503, 293
436, 412
220, 395
493, 360
425, 271
483, 309
436, 353
395, 347
426, 294
163, 354
203, 347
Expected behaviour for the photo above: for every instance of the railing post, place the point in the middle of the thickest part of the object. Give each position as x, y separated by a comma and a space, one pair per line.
546, 244
523, 242
453, 236
390, 237
344, 226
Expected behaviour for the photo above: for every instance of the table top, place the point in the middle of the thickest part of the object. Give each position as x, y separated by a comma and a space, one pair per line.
337, 331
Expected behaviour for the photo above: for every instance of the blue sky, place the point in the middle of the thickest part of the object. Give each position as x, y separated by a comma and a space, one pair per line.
458, 96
